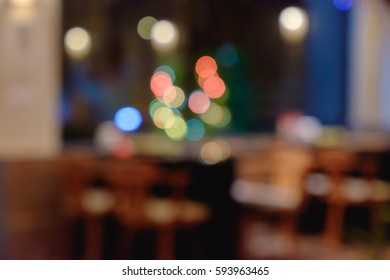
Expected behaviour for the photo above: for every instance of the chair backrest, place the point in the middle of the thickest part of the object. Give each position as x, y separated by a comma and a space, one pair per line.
281, 166
177, 180
336, 164
131, 183
288, 166
280, 172
369, 165
253, 168
75, 175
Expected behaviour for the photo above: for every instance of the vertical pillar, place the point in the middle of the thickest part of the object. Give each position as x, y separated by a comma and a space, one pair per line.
384, 83
370, 85
326, 60
29, 78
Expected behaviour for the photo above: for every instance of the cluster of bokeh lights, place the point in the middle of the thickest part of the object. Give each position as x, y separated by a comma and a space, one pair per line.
204, 104
166, 109
169, 99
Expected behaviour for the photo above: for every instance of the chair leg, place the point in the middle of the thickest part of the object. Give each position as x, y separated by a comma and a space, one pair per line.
126, 242
377, 219
93, 239
289, 231
334, 225
165, 244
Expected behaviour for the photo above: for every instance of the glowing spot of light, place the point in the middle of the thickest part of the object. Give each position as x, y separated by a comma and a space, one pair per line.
294, 126
206, 67
199, 102
214, 87
291, 18
167, 69
308, 129
161, 116
154, 105
293, 24
159, 82
145, 26
216, 115
177, 128
196, 130
77, 42
107, 135
343, 5
164, 36
227, 55
173, 96
214, 152
128, 119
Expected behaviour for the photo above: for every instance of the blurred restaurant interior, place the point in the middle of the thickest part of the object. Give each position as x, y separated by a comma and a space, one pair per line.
194, 129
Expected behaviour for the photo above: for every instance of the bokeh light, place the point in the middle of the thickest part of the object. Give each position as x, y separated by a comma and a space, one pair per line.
293, 24
216, 115
213, 115
196, 130
295, 127
214, 87
106, 137
128, 119
214, 152
201, 81
164, 36
206, 67
173, 97
226, 118
198, 102
317, 184
176, 128
285, 124
77, 42
154, 105
161, 117
291, 18
343, 5
124, 148
145, 26
163, 32
308, 129
167, 69
227, 55
159, 82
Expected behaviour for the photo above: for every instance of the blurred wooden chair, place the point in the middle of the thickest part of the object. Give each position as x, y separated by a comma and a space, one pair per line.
369, 168
84, 199
336, 164
273, 183
346, 191
138, 209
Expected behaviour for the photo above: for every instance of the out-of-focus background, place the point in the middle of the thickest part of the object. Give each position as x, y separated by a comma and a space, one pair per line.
182, 129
